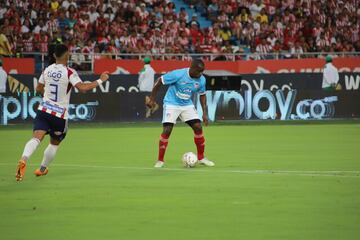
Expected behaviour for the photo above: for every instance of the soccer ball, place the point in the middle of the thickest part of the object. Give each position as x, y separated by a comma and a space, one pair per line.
189, 159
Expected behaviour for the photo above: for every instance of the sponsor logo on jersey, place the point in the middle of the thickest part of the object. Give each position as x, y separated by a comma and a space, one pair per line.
54, 75
183, 96
53, 107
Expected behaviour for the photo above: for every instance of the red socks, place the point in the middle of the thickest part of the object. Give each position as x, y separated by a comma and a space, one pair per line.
200, 144
164, 139
198, 139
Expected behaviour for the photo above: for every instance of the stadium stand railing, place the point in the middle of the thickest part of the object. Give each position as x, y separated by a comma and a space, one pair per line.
84, 62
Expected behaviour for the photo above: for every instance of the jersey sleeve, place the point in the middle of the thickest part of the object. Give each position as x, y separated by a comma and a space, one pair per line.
73, 77
171, 77
202, 89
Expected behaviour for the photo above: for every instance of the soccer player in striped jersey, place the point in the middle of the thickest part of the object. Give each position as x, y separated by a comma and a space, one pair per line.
55, 85
183, 83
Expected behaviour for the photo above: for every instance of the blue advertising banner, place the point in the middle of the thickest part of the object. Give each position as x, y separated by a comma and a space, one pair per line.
230, 105
260, 96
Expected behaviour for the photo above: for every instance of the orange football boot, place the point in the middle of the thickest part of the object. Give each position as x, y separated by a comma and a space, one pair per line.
39, 173
20, 170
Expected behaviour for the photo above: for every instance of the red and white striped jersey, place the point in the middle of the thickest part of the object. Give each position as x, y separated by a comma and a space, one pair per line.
169, 40
263, 48
322, 18
322, 42
279, 33
355, 33
125, 40
155, 39
52, 25
28, 45
43, 46
58, 80
133, 41
148, 42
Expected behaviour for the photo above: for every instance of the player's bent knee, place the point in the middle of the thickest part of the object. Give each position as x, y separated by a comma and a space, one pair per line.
167, 128
197, 128
167, 131
55, 141
39, 134
195, 124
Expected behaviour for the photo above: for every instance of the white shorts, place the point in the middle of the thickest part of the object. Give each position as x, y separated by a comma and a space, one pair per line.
186, 113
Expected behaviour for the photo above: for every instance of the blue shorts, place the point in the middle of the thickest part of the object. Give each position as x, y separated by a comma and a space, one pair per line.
56, 127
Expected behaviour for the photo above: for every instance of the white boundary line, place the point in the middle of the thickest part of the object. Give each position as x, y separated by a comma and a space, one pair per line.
312, 173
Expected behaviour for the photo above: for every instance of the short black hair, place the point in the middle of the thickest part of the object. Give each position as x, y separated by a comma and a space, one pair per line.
60, 50
197, 63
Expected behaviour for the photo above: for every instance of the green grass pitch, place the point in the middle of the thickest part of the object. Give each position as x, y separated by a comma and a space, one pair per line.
102, 184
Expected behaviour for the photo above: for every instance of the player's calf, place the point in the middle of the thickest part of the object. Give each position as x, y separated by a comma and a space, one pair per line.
163, 143
199, 140
29, 149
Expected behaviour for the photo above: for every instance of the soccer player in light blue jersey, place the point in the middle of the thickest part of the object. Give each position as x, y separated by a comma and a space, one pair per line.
183, 83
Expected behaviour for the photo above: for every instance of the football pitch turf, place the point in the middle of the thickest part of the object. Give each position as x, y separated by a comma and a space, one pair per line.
278, 181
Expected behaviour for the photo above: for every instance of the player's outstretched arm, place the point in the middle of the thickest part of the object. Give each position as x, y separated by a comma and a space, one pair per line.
40, 88
204, 108
84, 87
154, 92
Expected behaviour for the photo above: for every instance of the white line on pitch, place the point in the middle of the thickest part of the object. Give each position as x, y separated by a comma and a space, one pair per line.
331, 173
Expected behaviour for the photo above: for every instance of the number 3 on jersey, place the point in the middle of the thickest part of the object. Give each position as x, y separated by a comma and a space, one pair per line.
54, 92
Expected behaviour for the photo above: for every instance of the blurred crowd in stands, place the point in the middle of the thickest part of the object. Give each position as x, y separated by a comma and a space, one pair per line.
252, 29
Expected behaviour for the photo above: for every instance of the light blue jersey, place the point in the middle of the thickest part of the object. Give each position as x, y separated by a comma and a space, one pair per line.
182, 87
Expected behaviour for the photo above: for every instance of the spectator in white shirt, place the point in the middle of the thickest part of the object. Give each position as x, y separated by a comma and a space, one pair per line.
146, 84
255, 8
40, 27
146, 77
3, 9
93, 14
66, 4
253, 55
296, 50
25, 28
272, 39
330, 75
